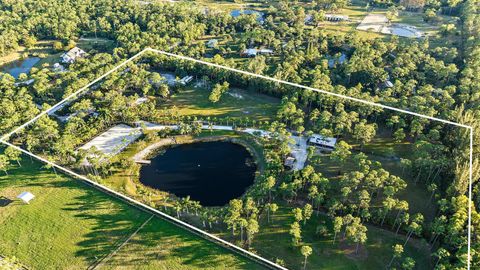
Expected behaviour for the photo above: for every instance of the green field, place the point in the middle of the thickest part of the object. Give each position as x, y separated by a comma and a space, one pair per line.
194, 101
69, 225
44, 50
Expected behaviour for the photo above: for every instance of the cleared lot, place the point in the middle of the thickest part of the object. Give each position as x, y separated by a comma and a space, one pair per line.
114, 140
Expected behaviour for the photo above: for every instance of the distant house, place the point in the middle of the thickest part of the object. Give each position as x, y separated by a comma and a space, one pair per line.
332, 61
336, 18
387, 84
324, 143
265, 51
57, 67
212, 43
254, 52
308, 19
72, 55
185, 80
249, 53
24, 83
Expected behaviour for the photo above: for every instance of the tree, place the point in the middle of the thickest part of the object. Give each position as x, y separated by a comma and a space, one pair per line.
269, 184
306, 251
415, 226
217, 91
57, 45
307, 212
408, 264
337, 226
356, 232
4, 163
271, 208
13, 154
341, 152
252, 229
234, 212
364, 132
397, 253
441, 253
295, 232
297, 214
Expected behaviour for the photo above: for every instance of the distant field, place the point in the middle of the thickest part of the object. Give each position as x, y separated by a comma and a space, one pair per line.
51, 56
72, 226
236, 103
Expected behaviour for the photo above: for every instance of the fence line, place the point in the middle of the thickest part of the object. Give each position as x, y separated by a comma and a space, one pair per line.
149, 209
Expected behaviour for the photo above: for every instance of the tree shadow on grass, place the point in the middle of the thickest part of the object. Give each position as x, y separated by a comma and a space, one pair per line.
112, 221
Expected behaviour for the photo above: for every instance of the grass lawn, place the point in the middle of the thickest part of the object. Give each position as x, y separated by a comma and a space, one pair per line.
274, 241
69, 225
50, 56
160, 245
236, 103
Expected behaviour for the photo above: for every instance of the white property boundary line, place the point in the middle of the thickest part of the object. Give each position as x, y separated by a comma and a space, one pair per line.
143, 206
5, 137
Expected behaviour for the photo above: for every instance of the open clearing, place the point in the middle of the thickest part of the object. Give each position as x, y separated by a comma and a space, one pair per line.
195, 102
69, 224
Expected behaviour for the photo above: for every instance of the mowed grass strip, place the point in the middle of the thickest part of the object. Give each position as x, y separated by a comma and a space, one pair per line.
69, 225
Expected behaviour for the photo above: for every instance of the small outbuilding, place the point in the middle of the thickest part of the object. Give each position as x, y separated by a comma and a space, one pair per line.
26, 196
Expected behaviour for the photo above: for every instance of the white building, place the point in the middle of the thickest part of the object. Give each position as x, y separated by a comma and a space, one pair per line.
212, 43
70, 56
26, 196
324, 143
254, 52
265, 51
24, 83
58, 68
289, 162
185, 80
336, 18
249, 52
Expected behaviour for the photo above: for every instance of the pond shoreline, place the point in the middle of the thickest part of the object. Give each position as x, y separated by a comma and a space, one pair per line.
143, 156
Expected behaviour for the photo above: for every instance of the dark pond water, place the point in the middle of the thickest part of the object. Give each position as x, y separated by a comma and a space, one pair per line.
212, 173
20, 66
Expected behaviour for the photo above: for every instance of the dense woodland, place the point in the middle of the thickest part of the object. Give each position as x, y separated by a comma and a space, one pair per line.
439, 81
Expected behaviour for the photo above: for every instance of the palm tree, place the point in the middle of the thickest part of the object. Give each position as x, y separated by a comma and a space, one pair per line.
306, 251
3, 163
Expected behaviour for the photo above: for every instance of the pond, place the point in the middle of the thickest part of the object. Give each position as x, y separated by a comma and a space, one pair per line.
212, 173
17, 67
